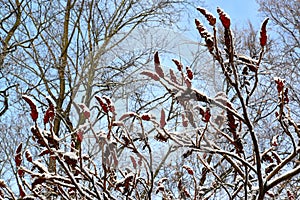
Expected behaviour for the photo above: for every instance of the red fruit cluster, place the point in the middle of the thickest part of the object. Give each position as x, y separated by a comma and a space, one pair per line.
50, 113
158, 68
28, 156
79, 135
102, 103
162, 122
280, 84
263, 33
189, 73
146, 117
34, 113
232, 127
280, 89
106, 104
18, 156
188, 169
150, 74
205, 34
178, 64
173, 77
205, 114
210, 18
109, 104
224, 18
162, 138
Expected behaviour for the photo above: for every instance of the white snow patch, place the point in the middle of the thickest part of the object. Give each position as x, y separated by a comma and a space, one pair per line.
279, 79
71, 155
40, 166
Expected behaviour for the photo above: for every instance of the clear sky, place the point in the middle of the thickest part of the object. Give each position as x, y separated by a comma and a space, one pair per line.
240, 11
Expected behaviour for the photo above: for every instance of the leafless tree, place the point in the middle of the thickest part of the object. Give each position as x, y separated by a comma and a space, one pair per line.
177, 137
284, 17
62, 50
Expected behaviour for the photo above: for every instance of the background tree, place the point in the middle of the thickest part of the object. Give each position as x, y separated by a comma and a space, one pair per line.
283, 59
67, 51
179, 141
285, 20
11, 23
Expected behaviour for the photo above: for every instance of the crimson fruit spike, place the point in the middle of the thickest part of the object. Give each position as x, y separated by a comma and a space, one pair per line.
263, 33
34, 113
224, 18
210, 18
158, 68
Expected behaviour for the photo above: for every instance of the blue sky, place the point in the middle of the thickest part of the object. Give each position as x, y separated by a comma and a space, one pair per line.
240, 11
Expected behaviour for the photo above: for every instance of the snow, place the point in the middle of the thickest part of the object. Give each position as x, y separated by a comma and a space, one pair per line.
279, 79
28, 97
28, 197
199, 93
83, 107
163, 180
71, 155
128, 176
118, 123
126, 115
51, 100
40, 166
49, 134
274, 141
82, 127
247, 59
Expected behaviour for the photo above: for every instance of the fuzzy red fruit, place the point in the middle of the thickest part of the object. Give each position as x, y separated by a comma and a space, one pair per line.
280, 84
50, 113
188, 169
206, 115
34, 113
18, 156
146, 117
21, 172
28, 156
178, 64
189, 73
263, 33
109, 103
102, 104
162, 118
224, 18
210, 18
79, 136
151, 75
157, 66
133, 162
185, 121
